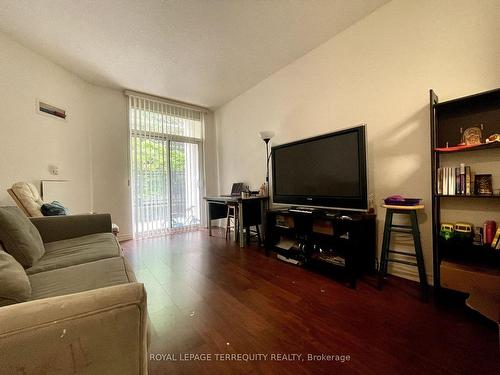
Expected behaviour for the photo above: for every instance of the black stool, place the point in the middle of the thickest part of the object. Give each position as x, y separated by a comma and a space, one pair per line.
413, 230
256, 232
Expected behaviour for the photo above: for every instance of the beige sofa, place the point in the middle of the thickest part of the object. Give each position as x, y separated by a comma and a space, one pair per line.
82, 312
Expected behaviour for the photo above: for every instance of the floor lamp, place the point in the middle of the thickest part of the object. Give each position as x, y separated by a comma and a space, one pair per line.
266, 136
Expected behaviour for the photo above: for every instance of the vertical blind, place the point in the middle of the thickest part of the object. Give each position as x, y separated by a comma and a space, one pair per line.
166, 151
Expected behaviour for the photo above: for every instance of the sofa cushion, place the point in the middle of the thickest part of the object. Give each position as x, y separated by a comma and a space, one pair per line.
77, 250
14, 284
79, 278
99, 332
20, 237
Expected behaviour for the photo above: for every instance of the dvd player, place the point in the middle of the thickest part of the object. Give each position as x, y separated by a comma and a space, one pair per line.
302, 210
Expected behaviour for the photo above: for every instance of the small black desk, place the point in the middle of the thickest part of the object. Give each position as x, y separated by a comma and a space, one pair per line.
251, 211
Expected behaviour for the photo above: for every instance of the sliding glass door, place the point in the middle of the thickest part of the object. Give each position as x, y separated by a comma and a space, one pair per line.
166, 167
185, 184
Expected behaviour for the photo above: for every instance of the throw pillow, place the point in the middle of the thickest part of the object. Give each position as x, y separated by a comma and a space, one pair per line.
20, 237
14, 283
29, 197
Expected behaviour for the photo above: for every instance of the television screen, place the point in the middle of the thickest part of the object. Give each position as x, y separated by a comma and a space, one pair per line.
328, 170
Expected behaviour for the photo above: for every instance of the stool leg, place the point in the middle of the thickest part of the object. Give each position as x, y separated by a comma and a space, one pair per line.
228, 221
236, 228
385, 247
258, 234
419, 254
235, 223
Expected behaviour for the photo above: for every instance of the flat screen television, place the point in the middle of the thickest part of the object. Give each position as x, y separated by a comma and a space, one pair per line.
327, 171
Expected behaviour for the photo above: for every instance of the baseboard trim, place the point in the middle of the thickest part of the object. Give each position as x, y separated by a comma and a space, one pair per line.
407, 272
124, 237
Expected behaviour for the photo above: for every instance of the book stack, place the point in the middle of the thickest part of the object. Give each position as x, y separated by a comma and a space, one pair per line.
496, 240
455, 180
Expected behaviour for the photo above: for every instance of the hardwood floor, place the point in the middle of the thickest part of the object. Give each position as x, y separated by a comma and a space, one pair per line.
206, 295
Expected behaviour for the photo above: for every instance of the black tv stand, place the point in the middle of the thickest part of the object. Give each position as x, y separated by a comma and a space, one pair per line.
337, 242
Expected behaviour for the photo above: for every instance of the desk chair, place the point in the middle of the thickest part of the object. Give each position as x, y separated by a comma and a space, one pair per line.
232, 213
255, 232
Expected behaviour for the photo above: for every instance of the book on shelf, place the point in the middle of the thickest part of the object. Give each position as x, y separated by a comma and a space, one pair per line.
445, 181
451, 182
446, 174
462, 179
440, 181
496, 240
468, 181
455, 180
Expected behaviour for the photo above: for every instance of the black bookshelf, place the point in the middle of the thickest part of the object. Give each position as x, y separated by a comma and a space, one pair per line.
446, 120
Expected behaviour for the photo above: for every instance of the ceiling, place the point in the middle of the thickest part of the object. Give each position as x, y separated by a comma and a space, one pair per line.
204, 52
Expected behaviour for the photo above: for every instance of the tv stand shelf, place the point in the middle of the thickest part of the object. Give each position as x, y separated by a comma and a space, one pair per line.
337, 242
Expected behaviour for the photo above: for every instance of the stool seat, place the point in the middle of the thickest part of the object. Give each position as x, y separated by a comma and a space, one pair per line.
412, 230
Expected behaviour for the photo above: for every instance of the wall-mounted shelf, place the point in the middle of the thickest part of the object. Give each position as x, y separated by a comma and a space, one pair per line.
52, 111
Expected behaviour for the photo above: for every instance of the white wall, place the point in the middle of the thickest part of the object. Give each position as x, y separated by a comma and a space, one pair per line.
211, 167
378, 72
30, 142
90, 148
108, 125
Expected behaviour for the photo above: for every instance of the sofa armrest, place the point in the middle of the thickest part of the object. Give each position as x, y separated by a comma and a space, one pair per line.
56, 228
102, 331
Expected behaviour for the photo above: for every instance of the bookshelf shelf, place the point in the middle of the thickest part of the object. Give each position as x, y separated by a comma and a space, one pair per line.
468, 253
473, 267
468, 196
474, 99
464, 264
457, 275
486, 146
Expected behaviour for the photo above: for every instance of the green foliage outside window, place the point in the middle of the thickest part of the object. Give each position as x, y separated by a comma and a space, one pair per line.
154, 157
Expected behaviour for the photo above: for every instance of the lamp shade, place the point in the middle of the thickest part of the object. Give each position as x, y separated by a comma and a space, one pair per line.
266, 135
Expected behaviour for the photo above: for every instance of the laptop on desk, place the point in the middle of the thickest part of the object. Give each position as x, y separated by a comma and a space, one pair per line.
236, 190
